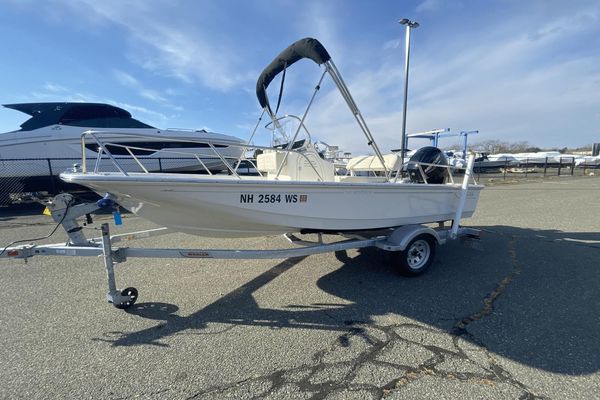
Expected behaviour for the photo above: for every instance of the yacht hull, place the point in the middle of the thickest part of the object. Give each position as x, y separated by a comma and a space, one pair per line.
229, 207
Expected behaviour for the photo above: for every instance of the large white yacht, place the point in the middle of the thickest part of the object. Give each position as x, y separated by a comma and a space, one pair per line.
49, 142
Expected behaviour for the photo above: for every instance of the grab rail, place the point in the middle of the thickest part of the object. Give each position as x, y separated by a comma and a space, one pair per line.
286, 116
103, 145
210, 153
450, 168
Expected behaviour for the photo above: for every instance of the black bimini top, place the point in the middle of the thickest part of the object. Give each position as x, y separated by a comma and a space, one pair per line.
303, 48
89, 115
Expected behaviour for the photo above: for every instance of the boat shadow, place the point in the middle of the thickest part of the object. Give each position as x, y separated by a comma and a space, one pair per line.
527, 295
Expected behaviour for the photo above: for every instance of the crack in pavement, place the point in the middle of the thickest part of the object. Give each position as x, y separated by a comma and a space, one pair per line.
488, 302
385, 359
460, 328
376, 361
322, 378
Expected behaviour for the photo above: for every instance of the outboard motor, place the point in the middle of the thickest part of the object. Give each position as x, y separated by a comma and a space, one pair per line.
429, 155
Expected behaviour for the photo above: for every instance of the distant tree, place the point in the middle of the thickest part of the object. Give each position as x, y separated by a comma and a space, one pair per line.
521, 147
533, 149
491, 146
494, 146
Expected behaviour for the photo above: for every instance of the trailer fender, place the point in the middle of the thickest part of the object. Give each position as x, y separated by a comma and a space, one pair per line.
402, 236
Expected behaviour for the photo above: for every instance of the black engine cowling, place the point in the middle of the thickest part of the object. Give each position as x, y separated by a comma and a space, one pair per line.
429, 155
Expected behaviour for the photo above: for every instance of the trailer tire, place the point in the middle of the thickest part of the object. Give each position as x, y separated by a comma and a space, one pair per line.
131, 294
418, 256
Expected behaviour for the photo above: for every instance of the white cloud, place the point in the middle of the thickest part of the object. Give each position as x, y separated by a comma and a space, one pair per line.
530, 75
52, 87
168, 46
154, 115
129, 81
125, 79
392, 44
319, 20
58, 93
511, 86
152, 95
430, 5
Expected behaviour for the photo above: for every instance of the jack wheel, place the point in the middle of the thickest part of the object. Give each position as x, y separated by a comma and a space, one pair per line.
131, 295
418, 256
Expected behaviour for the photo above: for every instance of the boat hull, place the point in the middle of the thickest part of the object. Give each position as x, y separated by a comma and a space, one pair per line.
231, 207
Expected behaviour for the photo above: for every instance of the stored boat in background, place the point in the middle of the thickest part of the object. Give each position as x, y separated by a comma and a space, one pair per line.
49, 142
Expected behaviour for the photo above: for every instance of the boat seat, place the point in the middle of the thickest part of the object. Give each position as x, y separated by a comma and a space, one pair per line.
308, 166
372, 163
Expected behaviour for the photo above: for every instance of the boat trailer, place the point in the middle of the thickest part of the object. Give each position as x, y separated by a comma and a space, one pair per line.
412, 245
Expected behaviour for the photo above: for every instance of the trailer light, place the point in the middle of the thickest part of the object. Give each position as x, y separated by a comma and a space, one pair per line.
12, 253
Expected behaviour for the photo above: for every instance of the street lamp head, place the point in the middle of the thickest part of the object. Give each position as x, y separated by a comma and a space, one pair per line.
408, 22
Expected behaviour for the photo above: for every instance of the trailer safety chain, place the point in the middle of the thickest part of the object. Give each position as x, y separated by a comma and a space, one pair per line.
43, 237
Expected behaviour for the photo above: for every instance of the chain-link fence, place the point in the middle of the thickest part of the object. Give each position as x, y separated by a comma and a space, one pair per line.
536, 169
41, 175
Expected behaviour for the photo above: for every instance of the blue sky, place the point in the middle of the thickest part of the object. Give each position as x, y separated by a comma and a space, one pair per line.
514, 70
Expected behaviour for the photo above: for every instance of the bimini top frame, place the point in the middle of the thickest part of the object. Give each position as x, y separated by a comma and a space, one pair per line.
312, 49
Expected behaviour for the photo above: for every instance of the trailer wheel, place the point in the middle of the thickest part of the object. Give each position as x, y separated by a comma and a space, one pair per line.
417, 257
131, 295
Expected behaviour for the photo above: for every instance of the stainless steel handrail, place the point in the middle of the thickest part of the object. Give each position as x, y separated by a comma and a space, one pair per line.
103, 146
293, 117
210, 142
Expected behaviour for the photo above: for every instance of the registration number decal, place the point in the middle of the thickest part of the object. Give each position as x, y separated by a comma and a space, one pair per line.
272, 198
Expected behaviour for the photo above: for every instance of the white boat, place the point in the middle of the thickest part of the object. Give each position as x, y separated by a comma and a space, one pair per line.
507, 159
485, 162
537, 158
588, 161
297, 191
564, 159
50, 142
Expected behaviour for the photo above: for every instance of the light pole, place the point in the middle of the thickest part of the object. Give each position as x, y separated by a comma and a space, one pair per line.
409, 24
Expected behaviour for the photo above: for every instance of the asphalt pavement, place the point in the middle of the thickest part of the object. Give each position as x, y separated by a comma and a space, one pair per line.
515, 315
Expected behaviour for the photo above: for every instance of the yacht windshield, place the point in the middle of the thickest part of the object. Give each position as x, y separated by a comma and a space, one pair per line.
89, 115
